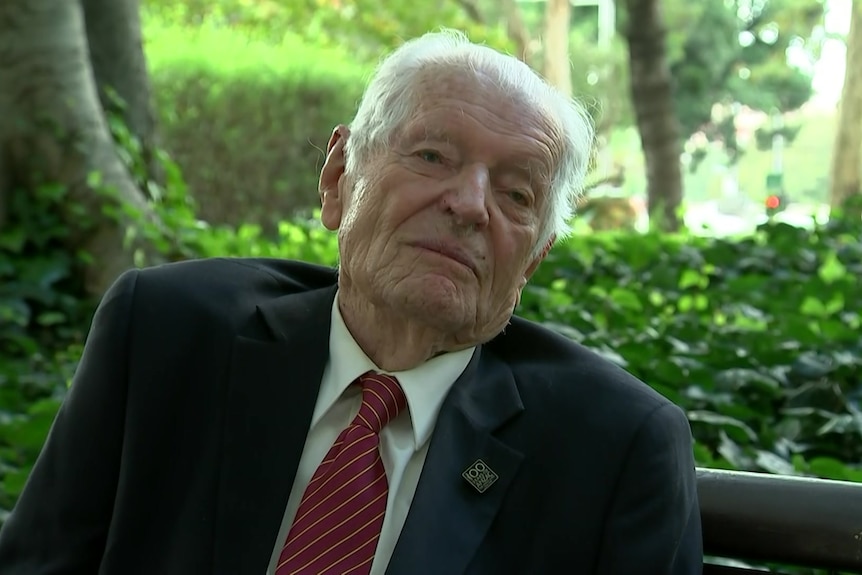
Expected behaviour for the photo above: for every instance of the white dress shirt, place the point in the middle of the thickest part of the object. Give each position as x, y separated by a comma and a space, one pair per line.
403, 443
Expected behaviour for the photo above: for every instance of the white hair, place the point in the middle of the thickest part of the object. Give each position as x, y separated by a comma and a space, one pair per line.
391, 97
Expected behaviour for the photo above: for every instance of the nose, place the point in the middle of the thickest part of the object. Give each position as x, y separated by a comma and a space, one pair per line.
466, 198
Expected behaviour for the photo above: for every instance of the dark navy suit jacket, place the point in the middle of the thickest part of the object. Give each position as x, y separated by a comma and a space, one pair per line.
175, 450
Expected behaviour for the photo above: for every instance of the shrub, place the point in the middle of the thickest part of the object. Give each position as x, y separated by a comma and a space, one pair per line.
43, 319
248, 121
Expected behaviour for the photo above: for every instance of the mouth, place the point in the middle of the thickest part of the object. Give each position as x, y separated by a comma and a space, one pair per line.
453, 252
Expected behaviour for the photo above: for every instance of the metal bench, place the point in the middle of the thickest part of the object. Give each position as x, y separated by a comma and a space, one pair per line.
760, 518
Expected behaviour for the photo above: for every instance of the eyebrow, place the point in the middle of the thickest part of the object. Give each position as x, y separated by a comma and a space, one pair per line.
532, 168
533, 171
423, 131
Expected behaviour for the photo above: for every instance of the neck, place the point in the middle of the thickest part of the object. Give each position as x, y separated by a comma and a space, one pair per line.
391, 341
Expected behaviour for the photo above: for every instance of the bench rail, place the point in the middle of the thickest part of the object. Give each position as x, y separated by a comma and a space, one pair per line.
799, 521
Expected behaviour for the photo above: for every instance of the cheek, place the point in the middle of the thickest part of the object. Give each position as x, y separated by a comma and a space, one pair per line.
359, 212
511, 259
363, 237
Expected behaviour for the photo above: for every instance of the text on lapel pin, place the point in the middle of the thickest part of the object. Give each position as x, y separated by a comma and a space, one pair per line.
480, 476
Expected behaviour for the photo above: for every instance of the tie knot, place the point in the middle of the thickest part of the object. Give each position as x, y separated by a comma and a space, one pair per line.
382, 400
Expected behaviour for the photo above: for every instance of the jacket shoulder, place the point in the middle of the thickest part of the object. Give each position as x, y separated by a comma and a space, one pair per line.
215, 273
225, 290
568, 375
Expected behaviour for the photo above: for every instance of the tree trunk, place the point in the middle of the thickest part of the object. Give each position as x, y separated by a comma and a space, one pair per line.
847, 149
52, 129
558, 70
517, 30
652, 99
119, 66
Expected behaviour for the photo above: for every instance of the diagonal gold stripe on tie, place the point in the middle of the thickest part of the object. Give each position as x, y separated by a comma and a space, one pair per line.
328, 476
363, 564
374, 537
380, 419
366, 422
334, 545
298, 521
337, 526
335, 446
331, 529
389, 415
342, 504
330, 457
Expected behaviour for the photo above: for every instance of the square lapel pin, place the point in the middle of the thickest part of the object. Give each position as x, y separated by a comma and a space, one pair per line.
480, 476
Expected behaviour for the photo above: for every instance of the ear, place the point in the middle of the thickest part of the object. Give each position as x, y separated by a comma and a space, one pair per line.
331, 175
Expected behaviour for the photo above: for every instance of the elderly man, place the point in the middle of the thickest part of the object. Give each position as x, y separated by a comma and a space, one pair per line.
247, 416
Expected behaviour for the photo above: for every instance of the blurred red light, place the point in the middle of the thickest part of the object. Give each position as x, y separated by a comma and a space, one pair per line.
773, 202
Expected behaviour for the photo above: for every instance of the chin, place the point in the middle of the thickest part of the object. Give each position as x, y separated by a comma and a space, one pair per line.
440, 304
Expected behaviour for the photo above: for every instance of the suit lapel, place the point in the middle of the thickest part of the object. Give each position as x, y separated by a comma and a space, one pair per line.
448, 517
272, 389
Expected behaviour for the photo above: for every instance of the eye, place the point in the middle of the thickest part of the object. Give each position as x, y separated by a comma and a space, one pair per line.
519, 197
430, 156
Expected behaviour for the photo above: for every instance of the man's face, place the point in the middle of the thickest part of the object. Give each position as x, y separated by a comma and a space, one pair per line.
441, 227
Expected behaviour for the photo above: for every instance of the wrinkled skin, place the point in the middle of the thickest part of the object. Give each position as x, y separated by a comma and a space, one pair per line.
437, 234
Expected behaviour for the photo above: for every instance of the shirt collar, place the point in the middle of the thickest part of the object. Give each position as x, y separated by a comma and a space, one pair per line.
425, 386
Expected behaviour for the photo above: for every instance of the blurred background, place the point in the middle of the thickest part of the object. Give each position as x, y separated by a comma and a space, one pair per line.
251, 87
717, 250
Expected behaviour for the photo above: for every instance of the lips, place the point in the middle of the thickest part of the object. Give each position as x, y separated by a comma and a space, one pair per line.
450, 250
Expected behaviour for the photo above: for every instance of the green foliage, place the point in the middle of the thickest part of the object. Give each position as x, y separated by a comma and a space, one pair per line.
709, 43
701, 60
736, 51
177, 233
365, 28
249, 120
763, 136
600, 81
43, 318
247, 99
772, 86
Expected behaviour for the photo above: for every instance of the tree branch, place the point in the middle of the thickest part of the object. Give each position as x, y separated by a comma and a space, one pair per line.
517, 30
472, 11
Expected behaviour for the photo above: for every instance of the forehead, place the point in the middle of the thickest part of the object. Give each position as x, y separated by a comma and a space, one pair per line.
472, 110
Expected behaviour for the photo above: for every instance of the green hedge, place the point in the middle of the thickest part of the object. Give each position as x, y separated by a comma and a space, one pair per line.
43, 322
248, 121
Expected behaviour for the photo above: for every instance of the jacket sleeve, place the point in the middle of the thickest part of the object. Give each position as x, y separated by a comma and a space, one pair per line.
654, 526
60, 522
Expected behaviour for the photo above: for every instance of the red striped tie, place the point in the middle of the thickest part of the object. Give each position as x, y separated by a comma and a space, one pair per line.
341, 513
